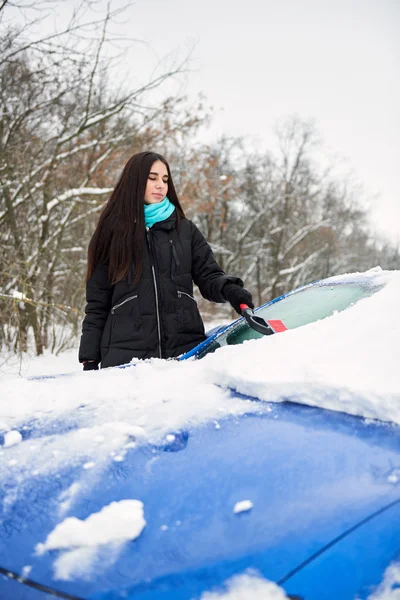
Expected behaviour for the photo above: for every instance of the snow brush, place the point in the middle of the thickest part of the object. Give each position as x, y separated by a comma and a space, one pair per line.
259, 324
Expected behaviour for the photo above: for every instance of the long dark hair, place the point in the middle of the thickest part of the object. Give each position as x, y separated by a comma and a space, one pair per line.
120, 232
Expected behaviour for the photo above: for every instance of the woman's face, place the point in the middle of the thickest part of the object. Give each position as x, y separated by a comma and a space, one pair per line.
157, 183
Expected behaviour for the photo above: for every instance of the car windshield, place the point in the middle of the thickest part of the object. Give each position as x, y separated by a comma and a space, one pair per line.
298, 308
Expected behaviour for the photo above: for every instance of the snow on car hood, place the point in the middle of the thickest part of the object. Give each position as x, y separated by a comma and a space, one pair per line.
347, 362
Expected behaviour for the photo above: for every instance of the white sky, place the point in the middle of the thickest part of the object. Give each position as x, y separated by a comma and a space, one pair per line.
259, 61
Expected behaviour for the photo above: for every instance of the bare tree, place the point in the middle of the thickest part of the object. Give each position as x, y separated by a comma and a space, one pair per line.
277, 219
62, 127
281, 220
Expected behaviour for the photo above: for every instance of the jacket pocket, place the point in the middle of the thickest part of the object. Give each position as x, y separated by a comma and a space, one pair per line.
180, 294
126, 320
114, 308
187, 314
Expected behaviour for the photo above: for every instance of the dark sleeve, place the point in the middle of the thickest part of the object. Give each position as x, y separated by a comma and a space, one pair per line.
98, 298
206, 272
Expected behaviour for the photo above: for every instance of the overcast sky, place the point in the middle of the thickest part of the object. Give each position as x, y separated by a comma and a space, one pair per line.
258, 61
334, 61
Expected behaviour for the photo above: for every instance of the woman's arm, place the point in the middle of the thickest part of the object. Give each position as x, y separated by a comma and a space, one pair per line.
206, 272
98, 298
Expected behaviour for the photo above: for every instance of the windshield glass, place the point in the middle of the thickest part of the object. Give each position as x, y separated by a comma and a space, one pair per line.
298, 308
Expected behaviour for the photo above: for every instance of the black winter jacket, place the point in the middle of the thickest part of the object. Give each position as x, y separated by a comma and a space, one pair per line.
158, 317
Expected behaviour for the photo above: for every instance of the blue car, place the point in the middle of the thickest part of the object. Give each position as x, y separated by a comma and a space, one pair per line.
303, 497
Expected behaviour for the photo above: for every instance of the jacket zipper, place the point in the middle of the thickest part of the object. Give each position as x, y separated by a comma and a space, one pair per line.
155, 292
123, 302
185, 294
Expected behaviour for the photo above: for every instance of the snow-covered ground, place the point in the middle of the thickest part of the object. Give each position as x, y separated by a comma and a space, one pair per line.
348, 362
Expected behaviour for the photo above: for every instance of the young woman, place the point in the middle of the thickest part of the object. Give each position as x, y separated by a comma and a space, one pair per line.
142, 261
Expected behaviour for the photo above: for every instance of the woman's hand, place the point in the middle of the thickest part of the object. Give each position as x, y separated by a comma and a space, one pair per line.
90, 365
236, 295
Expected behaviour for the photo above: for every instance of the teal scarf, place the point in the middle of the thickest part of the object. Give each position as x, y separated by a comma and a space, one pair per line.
153, 213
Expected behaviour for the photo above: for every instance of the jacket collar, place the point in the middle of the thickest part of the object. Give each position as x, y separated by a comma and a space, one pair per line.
167, 224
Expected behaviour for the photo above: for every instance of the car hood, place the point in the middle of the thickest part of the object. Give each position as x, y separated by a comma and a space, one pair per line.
315, 480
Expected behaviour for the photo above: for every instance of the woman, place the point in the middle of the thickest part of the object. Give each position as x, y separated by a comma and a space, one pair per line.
142, 260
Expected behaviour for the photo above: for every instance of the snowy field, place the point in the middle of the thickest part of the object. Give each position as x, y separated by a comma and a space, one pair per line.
353, 355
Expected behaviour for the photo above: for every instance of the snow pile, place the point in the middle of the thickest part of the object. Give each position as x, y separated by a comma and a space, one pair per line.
244, 587
119, 521
242, 506
389, 589
113, 525
12, 438
99, 415
347, 362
